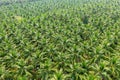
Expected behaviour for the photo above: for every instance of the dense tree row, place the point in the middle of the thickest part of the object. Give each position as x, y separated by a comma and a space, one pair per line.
60, 40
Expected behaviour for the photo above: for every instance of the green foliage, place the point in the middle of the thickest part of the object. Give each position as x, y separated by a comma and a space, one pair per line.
60, 40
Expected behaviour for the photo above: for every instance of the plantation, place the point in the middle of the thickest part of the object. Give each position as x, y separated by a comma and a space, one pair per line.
60, 40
